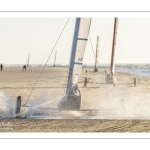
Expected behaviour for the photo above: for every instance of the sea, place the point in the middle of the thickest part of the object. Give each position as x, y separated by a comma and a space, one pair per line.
140, 69
136, 69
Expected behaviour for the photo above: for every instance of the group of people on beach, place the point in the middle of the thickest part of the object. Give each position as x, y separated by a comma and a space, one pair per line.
24, 67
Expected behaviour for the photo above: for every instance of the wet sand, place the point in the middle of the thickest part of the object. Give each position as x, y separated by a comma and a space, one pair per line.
96, 95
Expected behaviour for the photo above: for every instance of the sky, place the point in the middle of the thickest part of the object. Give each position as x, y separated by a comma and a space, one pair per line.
20, 36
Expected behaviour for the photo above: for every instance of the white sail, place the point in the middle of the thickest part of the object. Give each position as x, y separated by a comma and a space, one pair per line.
78, 47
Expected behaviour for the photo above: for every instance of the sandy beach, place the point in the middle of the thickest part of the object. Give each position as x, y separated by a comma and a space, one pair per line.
123, 108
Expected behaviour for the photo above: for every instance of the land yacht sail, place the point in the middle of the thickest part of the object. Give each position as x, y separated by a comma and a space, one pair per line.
110, 77
72, 100
97, 54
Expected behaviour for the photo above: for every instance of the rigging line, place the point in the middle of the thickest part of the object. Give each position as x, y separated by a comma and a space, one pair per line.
105, 43
102, 49
48, 59
65, 85
122, 54
94, 53
103, 70
122, 50
91, 44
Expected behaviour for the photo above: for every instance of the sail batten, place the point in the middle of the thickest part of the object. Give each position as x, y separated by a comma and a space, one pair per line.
82, 39
78, 63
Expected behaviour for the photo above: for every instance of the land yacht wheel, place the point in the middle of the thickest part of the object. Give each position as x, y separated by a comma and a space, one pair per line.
72, 101
18, 105
109, 79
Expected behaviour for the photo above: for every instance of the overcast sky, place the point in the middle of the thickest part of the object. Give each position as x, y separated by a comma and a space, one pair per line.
37, 35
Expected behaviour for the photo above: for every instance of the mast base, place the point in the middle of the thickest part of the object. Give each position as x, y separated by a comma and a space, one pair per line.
72, 101
110, 79
96, 70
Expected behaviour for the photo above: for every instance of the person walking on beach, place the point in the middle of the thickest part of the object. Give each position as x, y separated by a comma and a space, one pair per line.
24, 68
1, 67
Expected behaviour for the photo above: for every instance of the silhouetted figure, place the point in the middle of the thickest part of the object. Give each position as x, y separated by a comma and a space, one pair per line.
24, 68
1, 67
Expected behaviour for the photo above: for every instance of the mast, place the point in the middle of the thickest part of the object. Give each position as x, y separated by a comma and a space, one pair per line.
112, 65
28, 60
55, 58
97, 54
81, 31
76, 30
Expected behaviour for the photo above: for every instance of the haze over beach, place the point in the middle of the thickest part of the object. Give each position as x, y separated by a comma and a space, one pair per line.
43, 88
38, 36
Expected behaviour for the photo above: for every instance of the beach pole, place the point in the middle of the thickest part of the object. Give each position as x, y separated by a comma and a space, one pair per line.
85, 82
134, 82
28, 60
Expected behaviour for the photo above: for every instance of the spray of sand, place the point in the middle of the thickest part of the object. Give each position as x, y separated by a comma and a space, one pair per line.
7, 106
